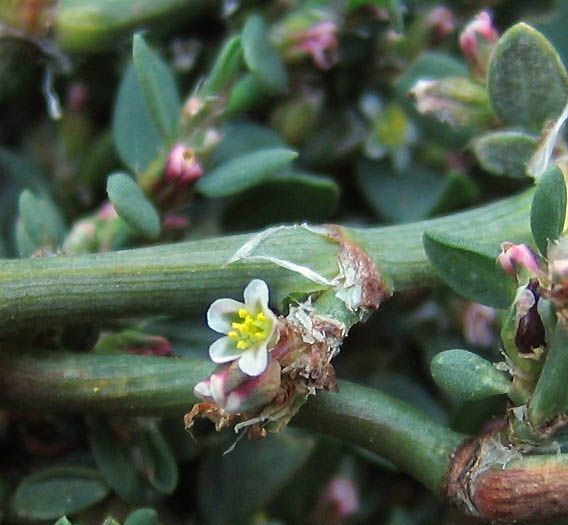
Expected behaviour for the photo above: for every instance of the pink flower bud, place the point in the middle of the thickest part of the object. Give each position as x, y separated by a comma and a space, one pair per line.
320, 41
338, 500
233, 391
516, 256
182, 165
106, 211
478, 324
441, 21
476, 42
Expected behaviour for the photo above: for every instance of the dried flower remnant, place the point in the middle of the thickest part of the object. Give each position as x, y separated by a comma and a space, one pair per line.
320, 42
250, 328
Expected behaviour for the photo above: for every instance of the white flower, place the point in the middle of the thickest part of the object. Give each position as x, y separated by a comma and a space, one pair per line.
250, 329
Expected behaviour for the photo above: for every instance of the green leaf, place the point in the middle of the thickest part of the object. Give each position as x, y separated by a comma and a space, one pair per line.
261, 57
246, 94
225, 67
136, 136
505, 152
21, 170
548, 210
158, 85
292, 197
232, 487
114, 462
145, 516
159, 462
469, 268
467, 376
527, 82
41, 220
132, 205
54, 491
245, 171
242, 138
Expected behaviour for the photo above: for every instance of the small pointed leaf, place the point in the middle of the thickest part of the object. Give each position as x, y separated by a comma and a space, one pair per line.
548, 211
158, 85
245, 171
136, 136
225, 67
527, 82
467, 376
261, 57
54, 491
132, 205
505, 152
470, 269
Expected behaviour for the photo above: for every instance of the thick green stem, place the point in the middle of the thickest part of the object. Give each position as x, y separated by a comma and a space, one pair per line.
140, 385
185, 277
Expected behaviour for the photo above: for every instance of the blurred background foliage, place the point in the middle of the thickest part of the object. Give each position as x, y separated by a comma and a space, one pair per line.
329, 113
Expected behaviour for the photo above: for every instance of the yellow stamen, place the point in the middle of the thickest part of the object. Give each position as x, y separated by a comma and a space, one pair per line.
233, 335
260, 317
252, 329
242, 345
243, 313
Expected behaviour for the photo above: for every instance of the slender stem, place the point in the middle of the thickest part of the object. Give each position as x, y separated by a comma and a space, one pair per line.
185, 277
142, 385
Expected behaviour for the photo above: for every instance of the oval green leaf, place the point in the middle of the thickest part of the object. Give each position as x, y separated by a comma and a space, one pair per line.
114, 461
41, 220
505, 152
54, 491
136, 136
132, 205
470, 269
158, 85
244, 172
292, 197
246, 94
548, 210
467, 376
145, 516
261, 57
158, 460
527, 81
232, 487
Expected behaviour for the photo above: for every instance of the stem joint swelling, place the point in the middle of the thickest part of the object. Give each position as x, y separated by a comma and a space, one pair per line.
491, 480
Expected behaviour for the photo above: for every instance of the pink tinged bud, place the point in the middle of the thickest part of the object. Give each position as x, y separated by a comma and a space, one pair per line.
513, 256
107, 211
478, 322
441, 20
476, 42
341, 497
151, 345
77, 96
175, 222
320, 42
182, 165
234, 391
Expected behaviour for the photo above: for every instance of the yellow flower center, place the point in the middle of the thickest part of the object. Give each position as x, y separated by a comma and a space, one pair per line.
251, 329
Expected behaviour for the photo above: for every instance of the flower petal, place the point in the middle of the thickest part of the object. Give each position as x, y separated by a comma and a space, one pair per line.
221, 313
224, 350
203, 389
256, 296
254, 361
